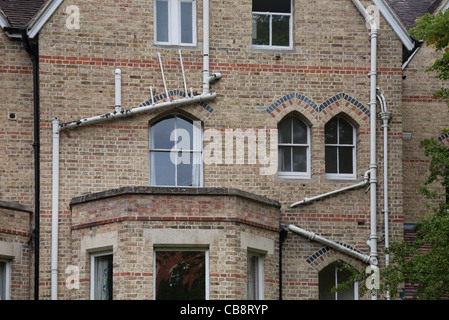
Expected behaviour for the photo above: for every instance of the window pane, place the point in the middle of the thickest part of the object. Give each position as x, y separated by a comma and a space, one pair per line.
3, 280
186, 22
162, 169
346, 132
285, 159
103, 277
187, 125
342, 277
184, 171
299, 131
285, 131
331, 159
280, 31
326, 281
272, 6
261, 29
180, 275
299, 159
160, 134
162, 21
331, 132
345, 159
252, 277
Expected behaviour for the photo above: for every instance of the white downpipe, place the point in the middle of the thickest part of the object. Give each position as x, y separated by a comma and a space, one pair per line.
118, 90
314, 237
385, 116
205, 46
55, 211
372, 241
358, 185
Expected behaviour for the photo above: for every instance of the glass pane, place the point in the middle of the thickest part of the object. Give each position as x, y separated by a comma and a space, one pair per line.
187, 125
342, 277
103, 278
186, 22
160, 134
272, 6
261, 30
180, 275
252, 264
2, 280
185, 169
326, 281
331, 159
281, 31
162, 21
299, 131
299, 159
285, 131
285, 159
162, 169
345, 159
346, 132
330, 130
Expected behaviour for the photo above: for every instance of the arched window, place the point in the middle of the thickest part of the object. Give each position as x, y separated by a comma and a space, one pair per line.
340, 149
329, 277
294, 148
176, 152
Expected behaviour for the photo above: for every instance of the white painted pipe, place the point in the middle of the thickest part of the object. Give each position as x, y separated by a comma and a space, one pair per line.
118, 90
307, 200
314, 237
55, 211
183, 74
163, 76
205, 46
372, 242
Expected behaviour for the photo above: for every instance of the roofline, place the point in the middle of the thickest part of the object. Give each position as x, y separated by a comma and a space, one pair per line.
37, 22
395, 23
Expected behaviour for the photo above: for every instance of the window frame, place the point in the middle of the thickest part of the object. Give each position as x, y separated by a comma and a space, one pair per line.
196, 127
296, 174
335, 278
343, 176
259, 276
184, 248
174, 23
93, 256
271, 14
7, 278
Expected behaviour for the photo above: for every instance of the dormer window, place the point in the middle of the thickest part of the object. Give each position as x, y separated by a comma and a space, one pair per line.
272, 24
175, 22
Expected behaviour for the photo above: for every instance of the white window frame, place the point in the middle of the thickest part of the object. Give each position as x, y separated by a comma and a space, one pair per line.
292, 174
7, 276
197, 130
290, 36
206, 271
356, 284
174, 23
344, 176
93, 256
259, 274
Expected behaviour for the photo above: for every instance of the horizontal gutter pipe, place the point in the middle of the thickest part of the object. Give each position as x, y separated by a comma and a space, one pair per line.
138, 110
314, 237
358, 185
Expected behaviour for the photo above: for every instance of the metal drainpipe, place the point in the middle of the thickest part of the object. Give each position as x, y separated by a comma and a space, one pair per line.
34, 54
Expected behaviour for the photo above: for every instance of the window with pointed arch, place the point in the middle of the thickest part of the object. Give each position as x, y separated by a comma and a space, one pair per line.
176, 152
340, 149
293, 148
330, 277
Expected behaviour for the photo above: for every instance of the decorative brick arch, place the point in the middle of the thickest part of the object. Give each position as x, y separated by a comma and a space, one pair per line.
200, 110
326, 255
324, 111
444, 138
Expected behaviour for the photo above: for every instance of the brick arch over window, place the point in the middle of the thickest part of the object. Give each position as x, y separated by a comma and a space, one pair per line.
201, 110
314, 112
444, 138
326, 255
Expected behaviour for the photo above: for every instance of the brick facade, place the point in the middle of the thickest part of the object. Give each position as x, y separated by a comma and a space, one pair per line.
104, 199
